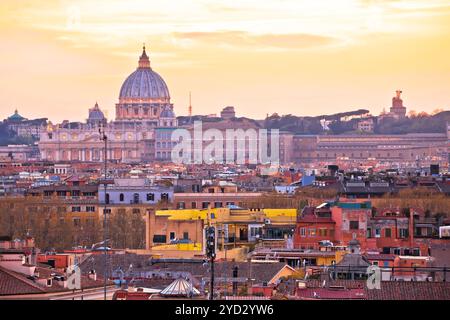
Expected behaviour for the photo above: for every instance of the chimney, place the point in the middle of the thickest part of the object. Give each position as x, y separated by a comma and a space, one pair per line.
33, 256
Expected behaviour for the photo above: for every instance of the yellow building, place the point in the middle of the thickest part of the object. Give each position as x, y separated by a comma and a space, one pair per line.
235, 227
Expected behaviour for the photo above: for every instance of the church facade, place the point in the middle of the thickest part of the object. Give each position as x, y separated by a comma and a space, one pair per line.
143, 108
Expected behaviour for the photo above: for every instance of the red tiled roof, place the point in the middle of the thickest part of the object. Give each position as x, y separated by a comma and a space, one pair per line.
330, 293
390, 290
409, 290
12, 283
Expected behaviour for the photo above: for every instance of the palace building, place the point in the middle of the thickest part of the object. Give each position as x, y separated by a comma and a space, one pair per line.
144, 108
145, 120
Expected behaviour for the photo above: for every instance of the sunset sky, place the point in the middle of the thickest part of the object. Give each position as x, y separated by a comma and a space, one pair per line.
58, 57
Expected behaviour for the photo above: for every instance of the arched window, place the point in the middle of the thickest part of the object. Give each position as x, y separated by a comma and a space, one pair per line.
107, 198
121, 197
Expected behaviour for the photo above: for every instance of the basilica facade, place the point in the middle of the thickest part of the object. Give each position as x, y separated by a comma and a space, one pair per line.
140, 132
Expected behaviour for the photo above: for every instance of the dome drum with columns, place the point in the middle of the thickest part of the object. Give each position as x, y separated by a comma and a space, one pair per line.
144, 94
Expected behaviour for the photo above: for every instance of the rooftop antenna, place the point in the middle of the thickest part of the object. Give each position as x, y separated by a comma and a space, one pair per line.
190, 105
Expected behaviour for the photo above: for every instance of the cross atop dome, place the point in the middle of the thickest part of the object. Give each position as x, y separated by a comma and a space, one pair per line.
144, 61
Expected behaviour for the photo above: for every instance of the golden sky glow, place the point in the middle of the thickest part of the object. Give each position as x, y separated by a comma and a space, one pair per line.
58, 57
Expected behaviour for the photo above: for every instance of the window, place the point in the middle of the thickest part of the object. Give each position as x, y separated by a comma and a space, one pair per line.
90, 209
377, 232
136, 211
194, 205
403, 233
185, 235
150, 197
107, 198
75, 193
312, 232
387, 232
136, 198
159, 238
205, 205
181, 205
255, 231
164, 196
172, 236
323, 232
217, 204
354, 225
76, 209
303, 232
121, 197
89, 194
76, 222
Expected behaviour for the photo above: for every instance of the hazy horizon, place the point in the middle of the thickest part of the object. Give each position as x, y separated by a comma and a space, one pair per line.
305, 58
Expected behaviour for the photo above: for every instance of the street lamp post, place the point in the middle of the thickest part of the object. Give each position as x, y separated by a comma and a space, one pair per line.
104, 138
211, 254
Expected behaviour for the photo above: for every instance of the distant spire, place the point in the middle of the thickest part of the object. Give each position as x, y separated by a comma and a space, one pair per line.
190, 105
144, 61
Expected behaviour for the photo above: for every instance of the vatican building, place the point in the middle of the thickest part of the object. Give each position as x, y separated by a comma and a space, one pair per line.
141, 130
